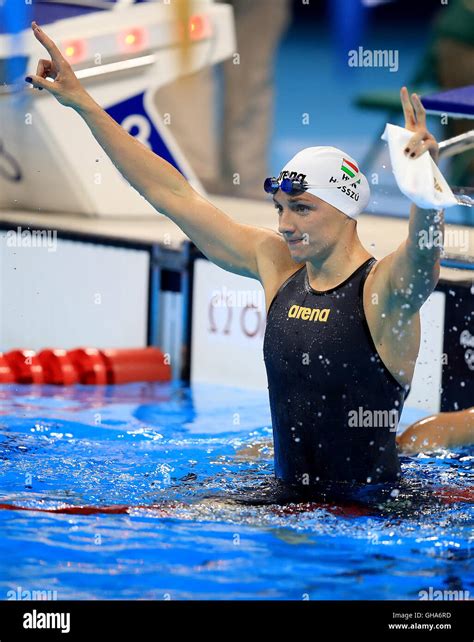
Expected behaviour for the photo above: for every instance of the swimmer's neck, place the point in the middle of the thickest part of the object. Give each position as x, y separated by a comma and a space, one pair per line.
339, 261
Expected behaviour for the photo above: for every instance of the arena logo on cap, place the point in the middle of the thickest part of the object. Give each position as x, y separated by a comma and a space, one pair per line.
293, 176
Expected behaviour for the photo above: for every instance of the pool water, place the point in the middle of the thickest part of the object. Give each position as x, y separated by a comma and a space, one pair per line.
157, 468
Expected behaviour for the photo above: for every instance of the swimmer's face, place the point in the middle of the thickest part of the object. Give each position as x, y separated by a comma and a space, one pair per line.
309, 225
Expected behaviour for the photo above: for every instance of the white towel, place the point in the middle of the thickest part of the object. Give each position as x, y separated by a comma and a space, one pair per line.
418, 178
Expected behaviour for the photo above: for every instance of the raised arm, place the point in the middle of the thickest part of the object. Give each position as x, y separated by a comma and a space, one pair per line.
223, 240
415, 265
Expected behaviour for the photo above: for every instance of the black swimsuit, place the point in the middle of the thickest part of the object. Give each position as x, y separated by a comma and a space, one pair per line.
324, 375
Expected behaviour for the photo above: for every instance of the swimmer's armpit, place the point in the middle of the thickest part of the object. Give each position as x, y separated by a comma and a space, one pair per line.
444, 430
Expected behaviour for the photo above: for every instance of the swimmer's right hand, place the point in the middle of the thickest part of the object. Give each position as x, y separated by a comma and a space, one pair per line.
65, 87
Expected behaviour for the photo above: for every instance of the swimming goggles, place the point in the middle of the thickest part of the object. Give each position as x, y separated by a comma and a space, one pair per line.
290, 186
272, 185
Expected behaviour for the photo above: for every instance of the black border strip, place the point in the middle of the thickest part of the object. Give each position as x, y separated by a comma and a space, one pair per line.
240, 620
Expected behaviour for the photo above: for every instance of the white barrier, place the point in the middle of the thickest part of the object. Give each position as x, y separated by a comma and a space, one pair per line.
72, 294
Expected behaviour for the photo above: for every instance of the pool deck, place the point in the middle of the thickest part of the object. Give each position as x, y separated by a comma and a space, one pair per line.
379, 234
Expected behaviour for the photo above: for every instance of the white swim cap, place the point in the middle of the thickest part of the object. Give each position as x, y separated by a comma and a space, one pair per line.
331, 175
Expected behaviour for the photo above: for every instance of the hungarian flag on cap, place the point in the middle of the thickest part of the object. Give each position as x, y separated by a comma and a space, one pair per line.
349, 168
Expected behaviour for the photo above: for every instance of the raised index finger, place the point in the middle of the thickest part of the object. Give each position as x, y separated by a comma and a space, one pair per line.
49, 45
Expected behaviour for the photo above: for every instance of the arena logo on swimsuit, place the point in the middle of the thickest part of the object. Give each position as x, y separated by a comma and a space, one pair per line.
308, 314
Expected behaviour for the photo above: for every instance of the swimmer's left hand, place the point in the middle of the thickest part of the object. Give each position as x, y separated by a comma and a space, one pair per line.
415, 121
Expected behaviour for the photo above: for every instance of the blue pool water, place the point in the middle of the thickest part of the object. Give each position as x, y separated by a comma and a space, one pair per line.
173, 456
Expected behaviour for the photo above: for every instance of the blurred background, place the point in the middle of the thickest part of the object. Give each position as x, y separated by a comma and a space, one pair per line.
290, 83
294, 87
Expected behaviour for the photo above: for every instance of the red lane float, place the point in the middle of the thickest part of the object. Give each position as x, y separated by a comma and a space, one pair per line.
449, 495
165, 509
57, 367
84, 365
139, 364
25, 366
6, 374
89, 365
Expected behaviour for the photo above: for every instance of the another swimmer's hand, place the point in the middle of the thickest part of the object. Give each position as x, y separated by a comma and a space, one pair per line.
415, 121
65, 87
